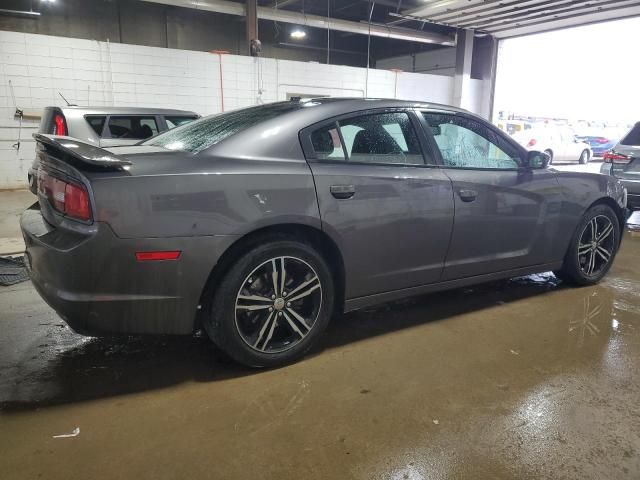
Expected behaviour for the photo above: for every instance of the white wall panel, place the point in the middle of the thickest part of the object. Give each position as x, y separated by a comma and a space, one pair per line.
98, 73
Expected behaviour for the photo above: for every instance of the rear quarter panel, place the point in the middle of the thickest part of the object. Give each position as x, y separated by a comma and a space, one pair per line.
196, 196
580, 191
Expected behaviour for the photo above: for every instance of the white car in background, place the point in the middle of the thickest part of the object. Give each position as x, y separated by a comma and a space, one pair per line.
559, 142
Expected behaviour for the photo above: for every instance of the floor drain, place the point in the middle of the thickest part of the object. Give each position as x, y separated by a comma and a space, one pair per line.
12, 271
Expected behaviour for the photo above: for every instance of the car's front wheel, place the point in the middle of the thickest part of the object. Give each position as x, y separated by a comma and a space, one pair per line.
592, 248
272, 305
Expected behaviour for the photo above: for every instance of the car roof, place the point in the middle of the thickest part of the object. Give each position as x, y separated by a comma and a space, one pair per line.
279, 134
96, 110
359, 103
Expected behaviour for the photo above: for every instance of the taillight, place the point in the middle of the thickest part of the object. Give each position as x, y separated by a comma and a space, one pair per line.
76, 202
532, 142
613, 157
602, 140
70, 199
59, 125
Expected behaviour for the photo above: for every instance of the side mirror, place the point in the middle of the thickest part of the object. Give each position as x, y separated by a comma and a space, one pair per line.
537, 160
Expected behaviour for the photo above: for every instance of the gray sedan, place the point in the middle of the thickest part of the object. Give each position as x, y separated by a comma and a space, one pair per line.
260, 224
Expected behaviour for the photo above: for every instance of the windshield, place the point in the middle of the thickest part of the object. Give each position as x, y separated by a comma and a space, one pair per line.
201, 134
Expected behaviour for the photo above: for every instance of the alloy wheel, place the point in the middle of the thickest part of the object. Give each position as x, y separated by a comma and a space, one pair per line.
278, 304
596, 245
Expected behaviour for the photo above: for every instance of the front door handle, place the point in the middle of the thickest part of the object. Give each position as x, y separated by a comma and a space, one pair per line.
467, 195
342, 192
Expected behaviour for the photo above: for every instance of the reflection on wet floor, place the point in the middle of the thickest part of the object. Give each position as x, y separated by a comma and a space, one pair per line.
525, 378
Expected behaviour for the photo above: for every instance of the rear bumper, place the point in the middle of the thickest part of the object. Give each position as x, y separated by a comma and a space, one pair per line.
633, 193
95, 283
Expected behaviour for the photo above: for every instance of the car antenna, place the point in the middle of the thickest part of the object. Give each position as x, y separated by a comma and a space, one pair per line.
67, 101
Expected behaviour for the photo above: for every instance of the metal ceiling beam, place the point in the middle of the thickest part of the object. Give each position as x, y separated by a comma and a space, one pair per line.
315, 21
19, 13
546, 11
521, 24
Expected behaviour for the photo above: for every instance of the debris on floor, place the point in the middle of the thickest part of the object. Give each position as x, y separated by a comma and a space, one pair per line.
12, 271
75, 433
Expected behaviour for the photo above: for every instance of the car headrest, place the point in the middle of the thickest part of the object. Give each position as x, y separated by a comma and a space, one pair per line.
322, 142
378, 142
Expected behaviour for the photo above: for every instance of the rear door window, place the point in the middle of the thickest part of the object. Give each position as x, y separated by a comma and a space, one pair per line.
132, 127
327, 144
96, 122
381, 138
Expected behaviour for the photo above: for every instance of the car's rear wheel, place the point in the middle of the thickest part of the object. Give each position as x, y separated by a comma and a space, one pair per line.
592, 248
584, 157
272, 305
550, 153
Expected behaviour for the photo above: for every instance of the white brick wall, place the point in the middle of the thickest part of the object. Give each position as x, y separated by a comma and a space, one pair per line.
88, 72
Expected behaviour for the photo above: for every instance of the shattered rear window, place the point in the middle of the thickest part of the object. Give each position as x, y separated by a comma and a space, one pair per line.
201, 134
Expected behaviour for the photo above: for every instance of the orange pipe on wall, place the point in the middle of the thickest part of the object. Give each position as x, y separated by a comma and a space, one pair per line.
220, 53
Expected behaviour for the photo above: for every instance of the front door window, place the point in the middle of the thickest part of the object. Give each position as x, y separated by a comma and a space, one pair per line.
465, 143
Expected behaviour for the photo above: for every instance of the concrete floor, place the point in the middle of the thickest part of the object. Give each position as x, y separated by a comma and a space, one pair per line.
518, 379
12, 203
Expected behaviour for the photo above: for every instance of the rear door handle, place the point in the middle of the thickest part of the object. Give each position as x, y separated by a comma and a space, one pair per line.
342, 192
467, 195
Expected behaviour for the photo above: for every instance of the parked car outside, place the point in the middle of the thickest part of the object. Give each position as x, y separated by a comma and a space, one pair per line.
600, 140
260, 224
513, 126
623, 162
559, 143
108, 126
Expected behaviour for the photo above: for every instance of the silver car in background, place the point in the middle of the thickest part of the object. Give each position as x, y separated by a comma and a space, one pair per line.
560, 143
108, 126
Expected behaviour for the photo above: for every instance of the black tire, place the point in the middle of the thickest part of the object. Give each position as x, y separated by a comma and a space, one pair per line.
584, 157
550, 153
575, 268
230, 330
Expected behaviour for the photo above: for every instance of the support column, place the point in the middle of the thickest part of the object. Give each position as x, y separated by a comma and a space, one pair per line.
490, 81
462, 79
252, 24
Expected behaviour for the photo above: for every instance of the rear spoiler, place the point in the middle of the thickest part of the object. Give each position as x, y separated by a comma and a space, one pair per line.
73, 150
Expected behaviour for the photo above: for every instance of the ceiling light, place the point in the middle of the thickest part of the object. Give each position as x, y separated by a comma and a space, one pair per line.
297, 33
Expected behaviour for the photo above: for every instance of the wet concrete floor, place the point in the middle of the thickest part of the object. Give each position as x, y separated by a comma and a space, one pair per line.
518, 379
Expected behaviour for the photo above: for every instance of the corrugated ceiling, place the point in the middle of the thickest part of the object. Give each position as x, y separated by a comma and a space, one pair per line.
504, 18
